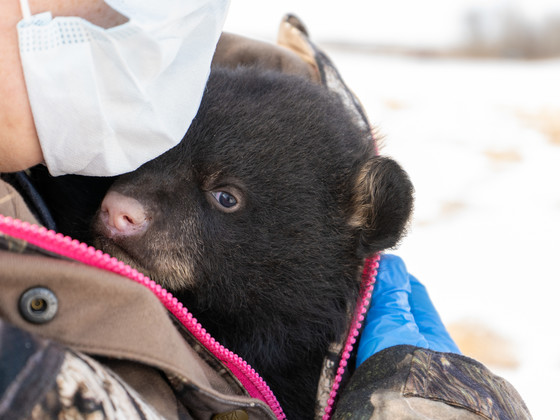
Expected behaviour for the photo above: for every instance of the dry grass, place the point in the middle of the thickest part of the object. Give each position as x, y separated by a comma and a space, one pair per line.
503, 156
483, 344
547, 121
394, 104
450, 208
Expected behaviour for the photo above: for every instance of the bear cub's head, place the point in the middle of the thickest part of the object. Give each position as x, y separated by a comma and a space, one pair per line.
262, 216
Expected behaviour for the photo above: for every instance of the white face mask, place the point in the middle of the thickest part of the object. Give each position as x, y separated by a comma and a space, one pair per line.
105, 101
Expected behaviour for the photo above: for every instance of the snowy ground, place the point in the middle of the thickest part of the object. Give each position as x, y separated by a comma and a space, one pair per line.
481, 142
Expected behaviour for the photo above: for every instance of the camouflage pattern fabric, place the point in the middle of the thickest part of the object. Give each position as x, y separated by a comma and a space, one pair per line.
407, 382
45, 381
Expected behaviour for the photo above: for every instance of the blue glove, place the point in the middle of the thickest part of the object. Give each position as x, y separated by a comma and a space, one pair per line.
401, 312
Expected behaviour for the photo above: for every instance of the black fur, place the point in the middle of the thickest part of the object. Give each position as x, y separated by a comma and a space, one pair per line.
275, 279
73, 200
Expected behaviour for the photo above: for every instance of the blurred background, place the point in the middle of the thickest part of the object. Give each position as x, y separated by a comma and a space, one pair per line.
466, 96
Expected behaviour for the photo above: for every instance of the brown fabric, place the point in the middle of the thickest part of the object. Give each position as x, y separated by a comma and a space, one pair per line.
293, 35
123, 319
103, 314
13, 205
234, 50
153, 385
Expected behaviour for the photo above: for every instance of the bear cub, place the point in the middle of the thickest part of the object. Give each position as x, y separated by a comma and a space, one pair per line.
259, 221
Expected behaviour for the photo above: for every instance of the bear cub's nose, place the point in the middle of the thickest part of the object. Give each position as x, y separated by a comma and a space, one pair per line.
123, 216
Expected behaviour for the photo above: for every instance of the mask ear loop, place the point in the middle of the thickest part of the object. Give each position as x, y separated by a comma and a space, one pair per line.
25, 10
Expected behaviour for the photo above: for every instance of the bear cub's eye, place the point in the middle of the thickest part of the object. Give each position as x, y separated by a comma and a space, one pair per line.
225, 199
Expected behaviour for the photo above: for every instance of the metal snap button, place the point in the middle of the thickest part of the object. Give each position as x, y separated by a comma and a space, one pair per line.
38, 305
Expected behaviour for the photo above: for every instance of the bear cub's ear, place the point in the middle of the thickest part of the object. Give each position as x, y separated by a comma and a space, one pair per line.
382, 205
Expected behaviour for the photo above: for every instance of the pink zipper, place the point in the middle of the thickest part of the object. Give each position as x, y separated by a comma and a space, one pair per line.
249, 378
366, 288
73, 249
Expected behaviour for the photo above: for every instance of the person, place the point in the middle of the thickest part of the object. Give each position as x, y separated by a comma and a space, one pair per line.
79, 341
